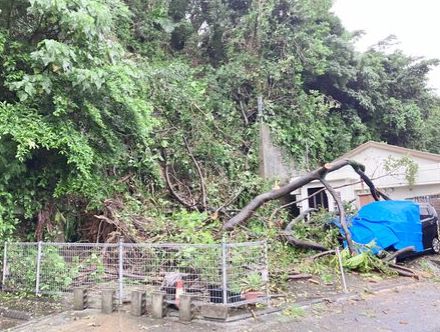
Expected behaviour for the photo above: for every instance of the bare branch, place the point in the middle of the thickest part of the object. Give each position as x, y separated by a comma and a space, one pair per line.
274, 213
322, 254
230, 201
199, 171
398, 253
341, 210
301, 216
170, 185
374, 192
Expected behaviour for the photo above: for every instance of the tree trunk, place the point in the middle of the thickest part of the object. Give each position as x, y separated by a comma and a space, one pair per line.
317, 174
258, 201
341, 210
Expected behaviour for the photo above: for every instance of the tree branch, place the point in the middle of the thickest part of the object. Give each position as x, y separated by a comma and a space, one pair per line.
341, 210
230, 201
258, 201
199, 171
305, 244
374, 192
323, 189
171, 187
322, 254
301, 216
398, 253
243, 112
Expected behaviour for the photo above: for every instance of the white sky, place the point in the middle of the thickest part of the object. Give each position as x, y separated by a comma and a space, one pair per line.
416, 25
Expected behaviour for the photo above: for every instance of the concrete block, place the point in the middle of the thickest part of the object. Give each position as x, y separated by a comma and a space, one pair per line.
157, 304
185, 313
138, 303
80, 298
215, 311
108, 304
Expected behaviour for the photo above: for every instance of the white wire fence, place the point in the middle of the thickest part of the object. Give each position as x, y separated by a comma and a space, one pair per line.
227, 273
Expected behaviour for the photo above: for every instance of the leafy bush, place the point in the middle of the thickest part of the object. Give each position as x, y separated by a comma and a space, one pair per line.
55, 273
363, 262
317, 229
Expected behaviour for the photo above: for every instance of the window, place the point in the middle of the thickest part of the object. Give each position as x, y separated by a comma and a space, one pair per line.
319, 200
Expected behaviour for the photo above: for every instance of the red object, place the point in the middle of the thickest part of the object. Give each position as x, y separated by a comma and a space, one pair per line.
179, 291
252, 295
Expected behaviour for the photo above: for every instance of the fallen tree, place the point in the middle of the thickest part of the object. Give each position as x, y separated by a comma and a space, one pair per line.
316, 175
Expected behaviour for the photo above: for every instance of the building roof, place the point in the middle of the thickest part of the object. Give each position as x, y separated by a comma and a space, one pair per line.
392, 148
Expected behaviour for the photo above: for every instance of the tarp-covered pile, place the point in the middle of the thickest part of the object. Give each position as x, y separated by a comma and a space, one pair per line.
390, 224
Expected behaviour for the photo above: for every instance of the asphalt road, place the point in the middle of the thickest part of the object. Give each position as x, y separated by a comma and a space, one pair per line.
415, 307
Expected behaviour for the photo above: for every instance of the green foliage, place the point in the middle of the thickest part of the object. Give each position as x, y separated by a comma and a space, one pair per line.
201, 260
317, 229
193, 227
252, 282
363, 262
94, 261
294, 311
409, 166
97, 96
75, 108
55, 273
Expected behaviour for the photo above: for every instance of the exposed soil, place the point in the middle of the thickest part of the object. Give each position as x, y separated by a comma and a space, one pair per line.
33, 306
18, 308
7, 323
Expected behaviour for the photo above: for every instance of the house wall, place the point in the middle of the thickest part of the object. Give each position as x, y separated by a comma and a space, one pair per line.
427, 180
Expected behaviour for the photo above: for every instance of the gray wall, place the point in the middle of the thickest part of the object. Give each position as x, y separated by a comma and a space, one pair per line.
274, 164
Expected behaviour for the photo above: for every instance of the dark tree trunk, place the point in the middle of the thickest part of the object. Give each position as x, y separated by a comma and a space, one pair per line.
317, 174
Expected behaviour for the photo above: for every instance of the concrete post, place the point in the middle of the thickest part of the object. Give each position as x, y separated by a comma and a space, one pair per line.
215, 311
185, 313
80, 298
108, 301
157, 304
138, 303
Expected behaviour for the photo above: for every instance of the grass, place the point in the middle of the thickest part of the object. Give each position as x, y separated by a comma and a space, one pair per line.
294, 311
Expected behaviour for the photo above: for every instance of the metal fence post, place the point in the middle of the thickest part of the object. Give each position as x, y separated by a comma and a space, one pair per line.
37, 279
5, 261
121, 269
224, 272
265, 277
341, 268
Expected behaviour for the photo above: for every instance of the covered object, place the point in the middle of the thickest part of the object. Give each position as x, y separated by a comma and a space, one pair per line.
390, 224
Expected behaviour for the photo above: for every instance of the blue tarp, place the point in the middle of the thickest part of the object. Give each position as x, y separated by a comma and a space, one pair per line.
390, 224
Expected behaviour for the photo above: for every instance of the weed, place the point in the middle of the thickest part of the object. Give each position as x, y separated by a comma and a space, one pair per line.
294, 311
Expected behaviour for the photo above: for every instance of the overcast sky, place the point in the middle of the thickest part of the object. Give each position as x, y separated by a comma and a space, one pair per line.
415, 23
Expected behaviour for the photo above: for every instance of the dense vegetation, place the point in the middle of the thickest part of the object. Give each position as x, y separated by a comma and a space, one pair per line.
140, 116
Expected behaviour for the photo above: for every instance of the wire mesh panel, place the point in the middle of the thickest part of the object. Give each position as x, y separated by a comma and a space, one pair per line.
172, 268
67, 265
20, 270
216, 273
246, 273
